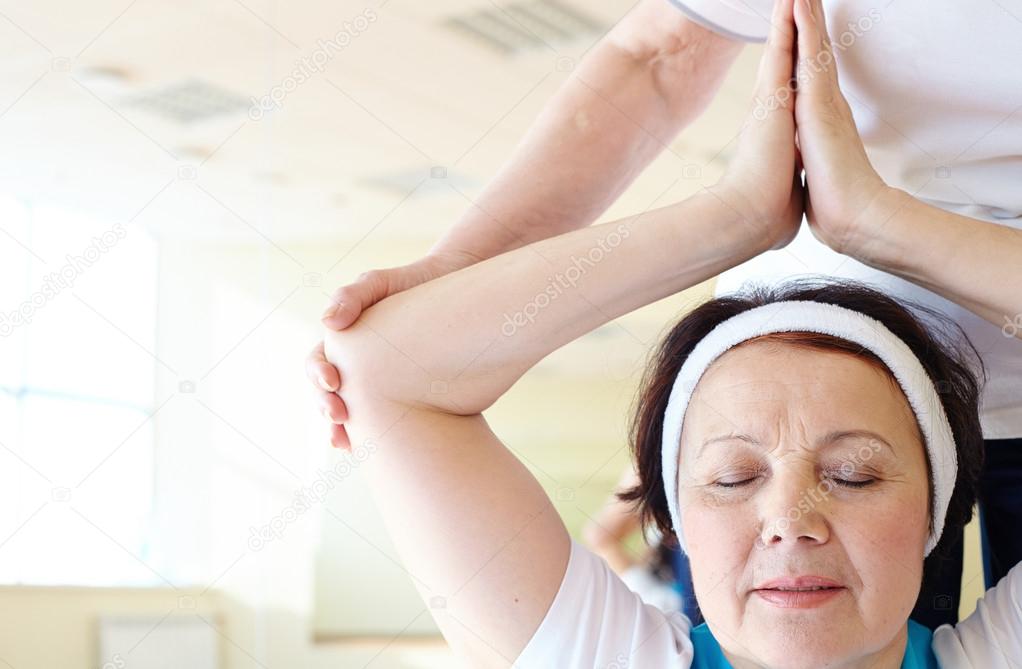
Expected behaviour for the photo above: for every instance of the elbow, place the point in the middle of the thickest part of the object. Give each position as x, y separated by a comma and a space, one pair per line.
372, 371
421, 350
382, 369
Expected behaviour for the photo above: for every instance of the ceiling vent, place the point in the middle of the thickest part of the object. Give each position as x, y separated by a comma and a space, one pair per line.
526, 25
189, 101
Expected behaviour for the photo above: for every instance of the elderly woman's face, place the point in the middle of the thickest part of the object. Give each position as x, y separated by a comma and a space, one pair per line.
805, 536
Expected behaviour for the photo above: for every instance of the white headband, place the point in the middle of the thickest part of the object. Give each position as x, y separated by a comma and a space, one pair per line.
848, 324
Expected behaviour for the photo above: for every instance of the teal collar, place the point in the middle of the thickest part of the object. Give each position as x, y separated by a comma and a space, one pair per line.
918, 652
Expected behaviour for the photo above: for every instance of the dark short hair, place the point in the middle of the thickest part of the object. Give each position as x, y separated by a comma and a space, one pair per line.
940, 344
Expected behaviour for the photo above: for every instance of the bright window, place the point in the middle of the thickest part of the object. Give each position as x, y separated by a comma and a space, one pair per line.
77, 376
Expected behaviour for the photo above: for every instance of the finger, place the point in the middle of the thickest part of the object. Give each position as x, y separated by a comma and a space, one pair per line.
348, 302
339, 437
332, 407
776, 65
815, 53
319, 370
820, 18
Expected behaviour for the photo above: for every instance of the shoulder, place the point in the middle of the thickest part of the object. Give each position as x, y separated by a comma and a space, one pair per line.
990, 638
595, 620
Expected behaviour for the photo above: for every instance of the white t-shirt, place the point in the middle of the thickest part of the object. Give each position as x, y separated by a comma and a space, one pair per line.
936, 91
596, 621
651, 589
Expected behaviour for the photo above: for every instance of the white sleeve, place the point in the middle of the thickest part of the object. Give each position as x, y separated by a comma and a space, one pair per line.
596, 621
745, 20
990, 638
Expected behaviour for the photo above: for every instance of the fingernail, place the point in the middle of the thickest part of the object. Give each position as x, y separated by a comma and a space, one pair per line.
324, 385
331, 311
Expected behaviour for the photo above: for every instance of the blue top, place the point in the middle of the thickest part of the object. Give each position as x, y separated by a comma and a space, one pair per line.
918, 652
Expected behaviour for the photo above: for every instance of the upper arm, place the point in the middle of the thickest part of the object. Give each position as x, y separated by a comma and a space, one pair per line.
476, 532
597, 621
659, 30
991, 637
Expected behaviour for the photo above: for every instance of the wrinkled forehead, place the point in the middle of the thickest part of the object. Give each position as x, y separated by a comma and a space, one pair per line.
782, 390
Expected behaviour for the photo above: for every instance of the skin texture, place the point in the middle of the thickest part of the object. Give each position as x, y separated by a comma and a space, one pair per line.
625, 101
793, 515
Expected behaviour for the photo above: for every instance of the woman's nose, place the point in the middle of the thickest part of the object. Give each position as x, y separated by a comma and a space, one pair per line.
794, 510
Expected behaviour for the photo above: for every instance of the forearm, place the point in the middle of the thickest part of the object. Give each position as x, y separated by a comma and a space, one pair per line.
974, 263
607, 533
615, 555
458, 342
623, 104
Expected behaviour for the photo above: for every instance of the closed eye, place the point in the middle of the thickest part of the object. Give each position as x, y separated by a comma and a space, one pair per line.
847, 483
735, 484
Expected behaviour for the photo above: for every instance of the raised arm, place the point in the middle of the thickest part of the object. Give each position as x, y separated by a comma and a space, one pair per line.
471, 524
626, 99
976, 264
650, 76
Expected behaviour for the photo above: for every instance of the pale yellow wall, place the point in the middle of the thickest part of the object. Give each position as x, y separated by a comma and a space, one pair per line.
972, 570
57, 627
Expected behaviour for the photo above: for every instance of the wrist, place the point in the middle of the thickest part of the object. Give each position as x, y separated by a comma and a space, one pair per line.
756, 230
876, 237
741, 231
478, 235
451, 259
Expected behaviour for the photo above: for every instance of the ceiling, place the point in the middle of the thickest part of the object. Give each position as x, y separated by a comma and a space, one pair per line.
139, 110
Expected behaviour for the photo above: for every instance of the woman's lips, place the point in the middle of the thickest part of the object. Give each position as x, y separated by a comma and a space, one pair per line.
798, 592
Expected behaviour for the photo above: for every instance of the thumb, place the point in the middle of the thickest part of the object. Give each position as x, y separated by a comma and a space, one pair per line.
348, 302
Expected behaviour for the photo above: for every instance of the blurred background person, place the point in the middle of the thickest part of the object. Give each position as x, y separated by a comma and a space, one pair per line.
657, 570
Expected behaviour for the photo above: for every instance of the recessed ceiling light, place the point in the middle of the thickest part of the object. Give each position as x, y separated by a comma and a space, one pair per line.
189, 101
525, 25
